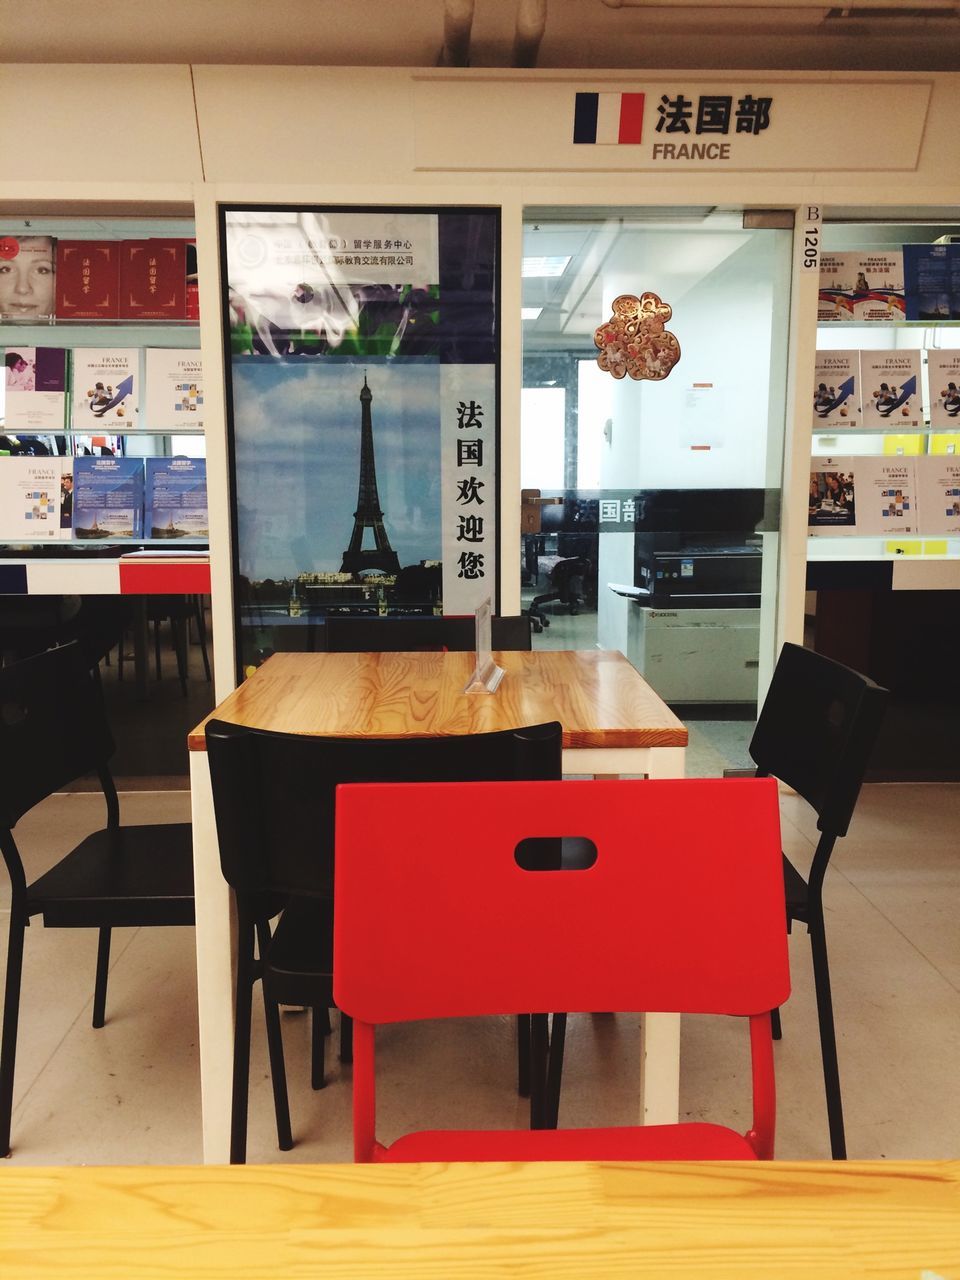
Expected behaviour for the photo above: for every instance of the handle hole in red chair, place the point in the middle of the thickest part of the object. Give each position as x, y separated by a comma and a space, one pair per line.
555, 853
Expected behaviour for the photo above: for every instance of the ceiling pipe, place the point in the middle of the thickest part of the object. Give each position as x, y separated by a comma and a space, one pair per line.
457, 25
531, 24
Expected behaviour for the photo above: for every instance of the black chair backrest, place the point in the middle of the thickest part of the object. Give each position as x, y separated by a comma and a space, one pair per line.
396, 635
273, 793
53, 728
816, 731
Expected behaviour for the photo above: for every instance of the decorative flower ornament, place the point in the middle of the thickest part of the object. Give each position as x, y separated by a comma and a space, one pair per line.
634, 341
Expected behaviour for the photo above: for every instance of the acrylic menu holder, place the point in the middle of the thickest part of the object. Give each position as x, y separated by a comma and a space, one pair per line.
486, 674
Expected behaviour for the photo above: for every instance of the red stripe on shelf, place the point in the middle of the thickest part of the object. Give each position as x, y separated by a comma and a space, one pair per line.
164, 579
631, 117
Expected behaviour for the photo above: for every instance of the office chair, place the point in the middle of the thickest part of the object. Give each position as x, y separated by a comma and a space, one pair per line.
53, 730
483, 929
397, 635
273, 796
816, 732
567, 585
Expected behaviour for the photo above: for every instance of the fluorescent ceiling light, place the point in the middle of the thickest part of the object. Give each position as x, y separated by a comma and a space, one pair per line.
530, 313
545, 267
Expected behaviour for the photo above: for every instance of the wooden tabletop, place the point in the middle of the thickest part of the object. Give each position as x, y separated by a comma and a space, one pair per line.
593, 1221
598, 697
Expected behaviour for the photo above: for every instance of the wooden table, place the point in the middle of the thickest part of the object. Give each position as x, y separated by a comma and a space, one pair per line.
687, 1221
613, 723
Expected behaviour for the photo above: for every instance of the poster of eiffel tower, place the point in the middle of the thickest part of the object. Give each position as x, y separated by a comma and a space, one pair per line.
369, 514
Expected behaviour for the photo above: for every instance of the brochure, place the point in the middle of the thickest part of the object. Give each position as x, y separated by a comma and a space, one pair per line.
107, 498
28, 267
836, 395
153, 279
176, 498
878, 289
35, 382
939, 491
926, 281
890, 389
88, 279
859, 494
30, 499
837, 278
174, 389
105, 388
943, 369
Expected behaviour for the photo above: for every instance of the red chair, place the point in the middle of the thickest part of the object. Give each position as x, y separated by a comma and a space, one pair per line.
637, 929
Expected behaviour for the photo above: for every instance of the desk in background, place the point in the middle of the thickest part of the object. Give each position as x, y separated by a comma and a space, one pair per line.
636, 1222
613, 723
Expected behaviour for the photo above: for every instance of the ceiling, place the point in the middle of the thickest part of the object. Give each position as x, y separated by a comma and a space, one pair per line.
891, 35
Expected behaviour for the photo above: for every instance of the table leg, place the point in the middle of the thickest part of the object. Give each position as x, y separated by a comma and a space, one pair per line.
214, 967
141, 642
659, 1032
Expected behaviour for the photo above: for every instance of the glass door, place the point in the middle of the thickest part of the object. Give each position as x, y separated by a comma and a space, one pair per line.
651, 465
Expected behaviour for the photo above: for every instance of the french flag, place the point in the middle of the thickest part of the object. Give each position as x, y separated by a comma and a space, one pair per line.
608, 118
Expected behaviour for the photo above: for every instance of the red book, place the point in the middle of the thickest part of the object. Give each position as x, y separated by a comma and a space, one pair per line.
153, 279
88, 279
193, 288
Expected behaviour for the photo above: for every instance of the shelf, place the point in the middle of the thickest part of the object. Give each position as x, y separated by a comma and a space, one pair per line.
886, 431
878, 326
102, 333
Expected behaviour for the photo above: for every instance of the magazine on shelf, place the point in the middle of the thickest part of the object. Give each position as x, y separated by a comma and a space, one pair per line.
176, 498
107, 498
860, 494
837, 276
836, 390
174, 389
106, 389
926, 273
943, 371
35, 385
88, 279
938, 482
878, 289
28, 267
890, 389
33, 494
153, 279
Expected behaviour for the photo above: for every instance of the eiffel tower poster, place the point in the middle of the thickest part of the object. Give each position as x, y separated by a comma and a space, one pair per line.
369, 514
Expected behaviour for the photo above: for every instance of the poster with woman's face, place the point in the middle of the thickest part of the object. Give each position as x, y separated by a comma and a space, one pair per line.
27, 278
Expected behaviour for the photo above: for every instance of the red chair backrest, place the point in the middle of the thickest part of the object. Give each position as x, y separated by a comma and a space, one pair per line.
682, 911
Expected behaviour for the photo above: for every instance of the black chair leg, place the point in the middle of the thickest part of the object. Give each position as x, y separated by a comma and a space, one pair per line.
100, 985
202, 633
828, 1039
11, 1016
346, 1038
241, 1045
156, 649
318, 1017
555, 1070
776, 1030
523, 1055
539, 1046
278, 1073
178, 628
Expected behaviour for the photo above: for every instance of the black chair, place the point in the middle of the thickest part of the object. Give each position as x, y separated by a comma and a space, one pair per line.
816, 732
273, 797
396, 635
567, 586
53, 730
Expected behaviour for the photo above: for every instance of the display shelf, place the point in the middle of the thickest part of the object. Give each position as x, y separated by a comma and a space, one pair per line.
98, 333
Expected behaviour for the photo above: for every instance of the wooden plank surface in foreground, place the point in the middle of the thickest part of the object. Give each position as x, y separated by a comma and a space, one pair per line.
889, 1219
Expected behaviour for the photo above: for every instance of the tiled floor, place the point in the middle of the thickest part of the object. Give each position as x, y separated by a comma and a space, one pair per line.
129, 1093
